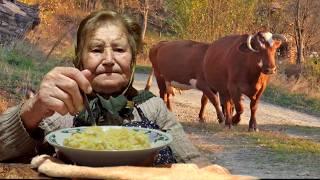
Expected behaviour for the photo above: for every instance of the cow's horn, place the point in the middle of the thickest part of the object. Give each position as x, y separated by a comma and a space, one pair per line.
279, 36
249, 43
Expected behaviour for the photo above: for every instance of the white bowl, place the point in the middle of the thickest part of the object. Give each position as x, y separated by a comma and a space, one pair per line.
158, 140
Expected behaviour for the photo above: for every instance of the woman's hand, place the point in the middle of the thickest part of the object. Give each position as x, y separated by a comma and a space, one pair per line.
59, 92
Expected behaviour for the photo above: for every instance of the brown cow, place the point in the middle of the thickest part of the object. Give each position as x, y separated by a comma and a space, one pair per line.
179, 64
240, 64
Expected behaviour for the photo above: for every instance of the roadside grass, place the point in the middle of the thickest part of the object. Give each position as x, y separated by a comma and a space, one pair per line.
307, 130
301, 92
280, 143
299, 102
277, 141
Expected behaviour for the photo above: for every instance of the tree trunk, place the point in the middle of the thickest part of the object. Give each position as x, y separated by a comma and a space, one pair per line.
145, 18
299, 34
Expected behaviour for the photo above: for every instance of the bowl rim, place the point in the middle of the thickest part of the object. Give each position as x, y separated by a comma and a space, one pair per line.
157, 146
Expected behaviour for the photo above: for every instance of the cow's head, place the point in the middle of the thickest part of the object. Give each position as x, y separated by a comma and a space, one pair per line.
265, 45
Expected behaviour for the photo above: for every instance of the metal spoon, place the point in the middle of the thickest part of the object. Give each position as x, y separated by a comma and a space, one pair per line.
87, 106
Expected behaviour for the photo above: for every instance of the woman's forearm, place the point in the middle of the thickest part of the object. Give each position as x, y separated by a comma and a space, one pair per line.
15, 140
32, 112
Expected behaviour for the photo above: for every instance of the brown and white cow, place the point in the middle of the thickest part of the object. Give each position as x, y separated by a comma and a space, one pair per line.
240, 64
179, 64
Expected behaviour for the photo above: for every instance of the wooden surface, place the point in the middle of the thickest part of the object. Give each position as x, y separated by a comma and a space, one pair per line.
19, 171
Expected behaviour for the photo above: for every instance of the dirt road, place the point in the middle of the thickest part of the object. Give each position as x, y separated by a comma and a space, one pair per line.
236, 153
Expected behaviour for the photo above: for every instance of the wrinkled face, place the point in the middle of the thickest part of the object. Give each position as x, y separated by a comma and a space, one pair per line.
107, 54
267, 47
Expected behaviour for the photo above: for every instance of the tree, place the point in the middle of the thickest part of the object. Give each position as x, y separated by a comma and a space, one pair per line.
299, 34
305, 26
145, 8
208, 20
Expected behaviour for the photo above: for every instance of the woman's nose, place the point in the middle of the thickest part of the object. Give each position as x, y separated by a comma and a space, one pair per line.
108, 58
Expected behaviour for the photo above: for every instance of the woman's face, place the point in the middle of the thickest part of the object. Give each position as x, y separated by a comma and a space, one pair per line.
107, 54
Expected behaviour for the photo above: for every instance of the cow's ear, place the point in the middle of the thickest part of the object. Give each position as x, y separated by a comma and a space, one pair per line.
276, 44
244, 48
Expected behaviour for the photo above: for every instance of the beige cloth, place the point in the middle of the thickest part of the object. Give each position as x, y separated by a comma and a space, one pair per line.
55, 168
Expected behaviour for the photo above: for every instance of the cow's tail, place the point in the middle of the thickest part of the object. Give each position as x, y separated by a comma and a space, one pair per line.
149, 81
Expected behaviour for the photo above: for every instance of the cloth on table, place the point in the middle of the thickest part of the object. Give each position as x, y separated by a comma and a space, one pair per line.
56, 168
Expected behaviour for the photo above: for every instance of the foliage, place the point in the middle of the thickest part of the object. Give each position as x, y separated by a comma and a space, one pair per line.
312, 68
211, 19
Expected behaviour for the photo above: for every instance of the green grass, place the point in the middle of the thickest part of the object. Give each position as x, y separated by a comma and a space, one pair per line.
18, 69
298, 102
282, 143
15, 60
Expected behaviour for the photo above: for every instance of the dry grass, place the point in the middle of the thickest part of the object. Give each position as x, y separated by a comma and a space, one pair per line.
302, 85
307, 82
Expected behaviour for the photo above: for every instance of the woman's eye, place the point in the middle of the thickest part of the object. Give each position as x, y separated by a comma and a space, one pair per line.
96, 50
119, 50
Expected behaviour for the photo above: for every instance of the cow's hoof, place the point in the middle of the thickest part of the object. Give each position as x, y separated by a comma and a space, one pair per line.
234, 123
253, 130
221, 119
228, 126
235, 120
202, 120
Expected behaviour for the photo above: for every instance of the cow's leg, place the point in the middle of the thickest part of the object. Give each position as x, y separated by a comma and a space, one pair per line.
236, 98
237, 104
222, 99
204, 102
253, 122
169, 91
162, 88
239, 110
215, 101
229, 113
227, 106
253, 107
168, 101
213, 97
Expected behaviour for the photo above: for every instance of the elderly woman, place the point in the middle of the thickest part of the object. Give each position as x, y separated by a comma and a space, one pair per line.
107, 45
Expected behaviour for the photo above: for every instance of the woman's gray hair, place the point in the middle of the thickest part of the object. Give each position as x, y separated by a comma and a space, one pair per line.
100, 18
